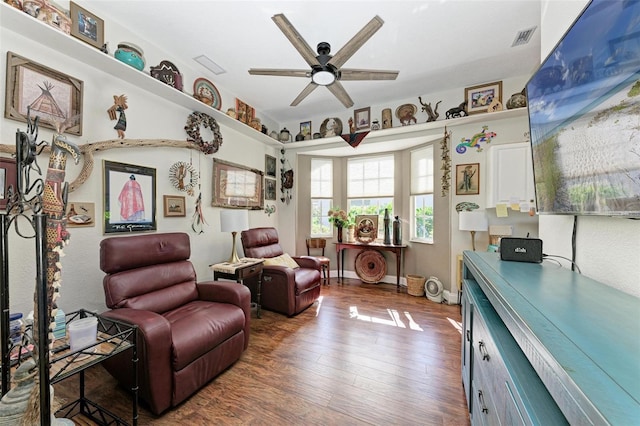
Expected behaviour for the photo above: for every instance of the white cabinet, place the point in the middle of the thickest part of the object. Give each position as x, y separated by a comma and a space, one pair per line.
510, 174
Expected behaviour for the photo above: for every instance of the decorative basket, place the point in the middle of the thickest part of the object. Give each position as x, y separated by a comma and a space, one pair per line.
415, 285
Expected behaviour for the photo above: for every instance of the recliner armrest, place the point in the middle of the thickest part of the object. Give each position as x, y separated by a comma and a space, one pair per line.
307, 262
154, 347
232, 293
223, 292
276, 270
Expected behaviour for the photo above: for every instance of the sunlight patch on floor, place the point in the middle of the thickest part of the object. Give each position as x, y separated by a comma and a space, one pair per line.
395, 319
457, 325
319, 305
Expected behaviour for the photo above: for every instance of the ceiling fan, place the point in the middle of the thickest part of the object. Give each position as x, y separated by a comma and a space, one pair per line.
326, 68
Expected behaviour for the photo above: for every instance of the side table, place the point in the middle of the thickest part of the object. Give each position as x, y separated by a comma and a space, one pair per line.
238, 272
113, 338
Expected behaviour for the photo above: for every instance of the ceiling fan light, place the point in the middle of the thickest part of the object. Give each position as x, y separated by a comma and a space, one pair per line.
323, 78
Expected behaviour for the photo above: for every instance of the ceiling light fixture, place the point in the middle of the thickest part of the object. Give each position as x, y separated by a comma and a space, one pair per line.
323, 78
209, 64
523, 37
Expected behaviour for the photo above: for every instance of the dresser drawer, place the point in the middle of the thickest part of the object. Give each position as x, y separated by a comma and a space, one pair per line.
517, 393
484, 410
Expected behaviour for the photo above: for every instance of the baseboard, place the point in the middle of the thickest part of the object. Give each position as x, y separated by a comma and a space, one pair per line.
451, 298
388, 279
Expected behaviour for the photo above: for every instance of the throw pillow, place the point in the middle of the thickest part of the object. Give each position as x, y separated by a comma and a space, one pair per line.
282, 260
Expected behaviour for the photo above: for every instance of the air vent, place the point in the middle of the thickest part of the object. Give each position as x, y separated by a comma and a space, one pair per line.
209, 64
523, 37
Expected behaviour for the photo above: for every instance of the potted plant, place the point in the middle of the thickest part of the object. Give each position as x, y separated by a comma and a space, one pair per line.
340, 220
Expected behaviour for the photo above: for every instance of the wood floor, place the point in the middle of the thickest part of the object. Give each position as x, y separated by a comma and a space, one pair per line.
365, 354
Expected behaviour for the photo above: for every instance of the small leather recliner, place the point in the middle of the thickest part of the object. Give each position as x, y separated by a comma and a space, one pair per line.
188, 332
284, 290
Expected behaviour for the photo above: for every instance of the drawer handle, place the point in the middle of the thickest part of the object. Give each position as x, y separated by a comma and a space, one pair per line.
252, 269
481, 398
483, 350
468, 335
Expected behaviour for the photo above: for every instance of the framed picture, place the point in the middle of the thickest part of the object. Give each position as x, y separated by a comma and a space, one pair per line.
480, 97
269, 165
174, 206
468, 179
366, 228
269, 189
129, 198
244, 112
8, 178
237, 186
362, 118
81, 214
305, 129
52, 96
86, 26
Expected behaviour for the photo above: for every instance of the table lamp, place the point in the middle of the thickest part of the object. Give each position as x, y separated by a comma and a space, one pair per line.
473, 221
234, 221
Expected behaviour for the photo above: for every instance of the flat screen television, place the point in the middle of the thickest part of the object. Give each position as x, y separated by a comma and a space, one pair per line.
584, 115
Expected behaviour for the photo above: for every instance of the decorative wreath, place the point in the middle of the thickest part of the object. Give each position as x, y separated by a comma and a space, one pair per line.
197, 119
183, 176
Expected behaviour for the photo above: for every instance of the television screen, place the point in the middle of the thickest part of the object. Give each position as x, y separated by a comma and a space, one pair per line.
584, 115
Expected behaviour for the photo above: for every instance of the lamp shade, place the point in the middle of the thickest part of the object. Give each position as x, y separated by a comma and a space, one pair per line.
234, 220
472, 221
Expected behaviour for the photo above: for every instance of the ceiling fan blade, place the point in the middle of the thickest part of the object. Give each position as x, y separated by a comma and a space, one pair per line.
279, 72
338, 90
305, 92
356, 42
296, 39
349, 74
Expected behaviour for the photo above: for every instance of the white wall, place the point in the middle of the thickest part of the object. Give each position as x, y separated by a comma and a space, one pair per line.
148, 117
607, 249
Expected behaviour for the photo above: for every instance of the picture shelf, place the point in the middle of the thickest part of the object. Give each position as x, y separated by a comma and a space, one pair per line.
19, 22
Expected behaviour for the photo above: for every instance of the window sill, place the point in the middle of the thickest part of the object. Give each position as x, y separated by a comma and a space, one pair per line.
419, 241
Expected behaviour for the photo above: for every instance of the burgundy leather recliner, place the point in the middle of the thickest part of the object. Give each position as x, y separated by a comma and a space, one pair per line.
188, 332
284, 290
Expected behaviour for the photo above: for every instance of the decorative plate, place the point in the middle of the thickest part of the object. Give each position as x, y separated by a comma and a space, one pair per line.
167, 73
331, 127
206, 92
406, 113
80, 219
370, 266
366, 228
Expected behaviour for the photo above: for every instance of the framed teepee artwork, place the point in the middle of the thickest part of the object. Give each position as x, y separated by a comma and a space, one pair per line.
35, 90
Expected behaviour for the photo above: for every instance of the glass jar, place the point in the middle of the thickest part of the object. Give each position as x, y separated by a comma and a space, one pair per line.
15, 328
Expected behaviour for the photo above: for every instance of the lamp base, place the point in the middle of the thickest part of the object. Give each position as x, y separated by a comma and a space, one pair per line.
473, 240
234, 255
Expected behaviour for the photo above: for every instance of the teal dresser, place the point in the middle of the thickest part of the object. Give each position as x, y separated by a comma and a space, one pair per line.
543, 345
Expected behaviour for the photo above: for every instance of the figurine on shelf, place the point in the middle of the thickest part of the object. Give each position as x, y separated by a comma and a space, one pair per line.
431, 113
459, 111
119, 105
352, 127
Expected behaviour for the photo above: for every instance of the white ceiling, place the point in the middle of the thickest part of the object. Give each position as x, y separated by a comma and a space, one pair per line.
436, 45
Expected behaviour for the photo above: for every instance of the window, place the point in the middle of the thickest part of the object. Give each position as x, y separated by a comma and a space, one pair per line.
370, 186
321, 196
422, 194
